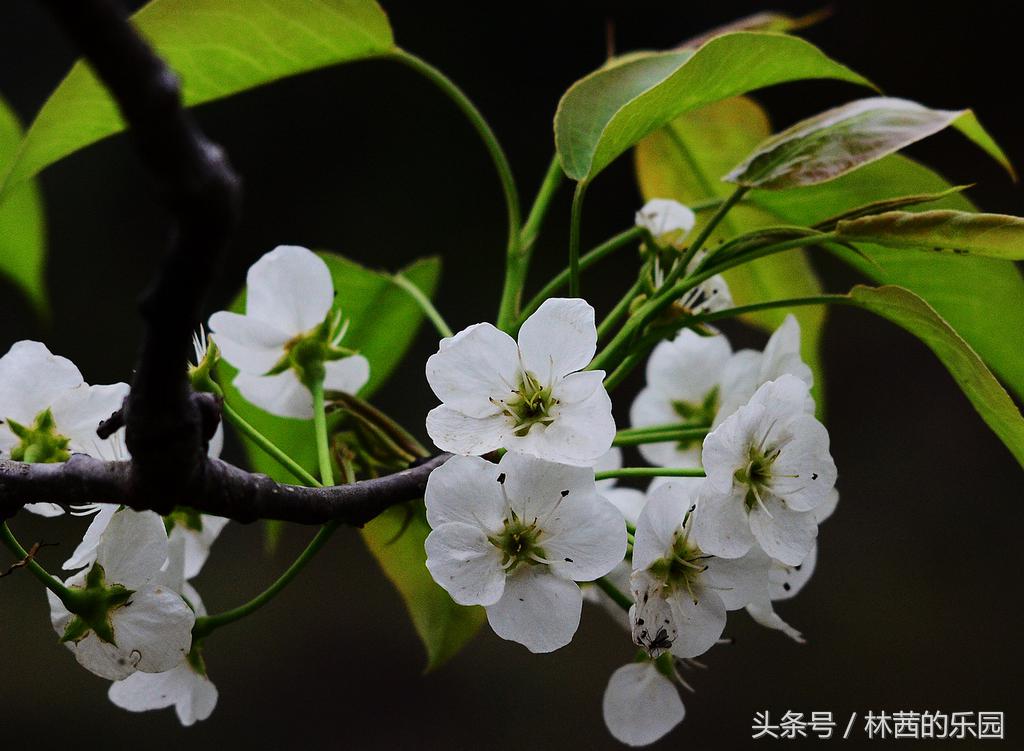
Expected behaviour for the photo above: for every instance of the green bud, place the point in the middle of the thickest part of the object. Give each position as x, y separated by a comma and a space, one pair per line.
40, 443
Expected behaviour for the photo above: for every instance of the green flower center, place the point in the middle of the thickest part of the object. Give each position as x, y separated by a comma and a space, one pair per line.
307, 352
682, 567
39, 443
696, 413
756, 474
518, 543
185, 517
531, 406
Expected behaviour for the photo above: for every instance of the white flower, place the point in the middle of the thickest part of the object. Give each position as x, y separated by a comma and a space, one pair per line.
785, 581
640, 704
681, 593
768, 467
749, 369
668, 221
289, 295
145, 623
516, 537
532, 397
683, 386
48, 411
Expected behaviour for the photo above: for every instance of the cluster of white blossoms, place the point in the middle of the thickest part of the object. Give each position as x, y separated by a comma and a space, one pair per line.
520, 535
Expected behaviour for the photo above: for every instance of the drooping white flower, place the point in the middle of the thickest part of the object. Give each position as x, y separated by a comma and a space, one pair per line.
532, 397
641, 704
785, 581
768, 467
289, 300
683, 386
142, 623
516, 537
749, 369
668, 221
682, 593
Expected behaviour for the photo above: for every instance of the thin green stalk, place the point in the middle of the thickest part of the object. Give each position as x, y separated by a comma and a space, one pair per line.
603, 250
424, 302
268, 447
574, 238
49, 581
649, 472
548, 187
705, 233
323, 448
620, 599
682, 434
793, 302
667, 427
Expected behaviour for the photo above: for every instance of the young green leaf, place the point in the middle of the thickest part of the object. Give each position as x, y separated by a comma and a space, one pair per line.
22, 222
685, 161
846, 138
945, 231
888, 204
605, 113
905, 309
217, 48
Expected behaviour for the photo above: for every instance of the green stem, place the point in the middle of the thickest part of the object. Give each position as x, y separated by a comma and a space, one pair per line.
705, 233
268, 447
49, 581
793, 302
574, 238
548, 187
681, 434
603, 250
467, 107
649, 472
323, 448
424, 302
667, 427
620, 599
621, 308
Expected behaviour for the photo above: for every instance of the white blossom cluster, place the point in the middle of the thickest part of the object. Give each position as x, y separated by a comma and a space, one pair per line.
520, 535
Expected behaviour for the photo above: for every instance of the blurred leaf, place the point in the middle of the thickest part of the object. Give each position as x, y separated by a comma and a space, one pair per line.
764, 21
846, 138
685, 161
383, 321
904, 308
396, 539
888, 204
217, 48
945, 231
605, 113
22, 223
971, 293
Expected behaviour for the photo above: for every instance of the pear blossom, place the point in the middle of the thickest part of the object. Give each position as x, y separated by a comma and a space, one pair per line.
48, 411
668, 221
531, 397
683, 386
681, 593
289, 328
641, 704
136, 620
768, 467
515, 537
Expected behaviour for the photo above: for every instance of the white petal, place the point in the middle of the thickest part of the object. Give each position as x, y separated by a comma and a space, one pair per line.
465, 564
103, 658
652, 407
193, 696
785, 535
739, 581
349, 374
739, 382
827, 507
216, 443
172, 573
198, 543
85, 553
609, 460
699, 624
465, 489
585, 537
251, 345
282, 395
629, 501
536, 487
558, 339
458, 433
576, 387
804, 473
765, 614
640, 704
31, 379
688, 367
132, 548
48, 510
720, 524
661, 216
579, 435
79, 411
289, 288
727, 447
539, 610
782, 354
154, 628
474, 369
656, 528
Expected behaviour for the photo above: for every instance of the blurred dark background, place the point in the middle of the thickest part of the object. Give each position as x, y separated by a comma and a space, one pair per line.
915, 604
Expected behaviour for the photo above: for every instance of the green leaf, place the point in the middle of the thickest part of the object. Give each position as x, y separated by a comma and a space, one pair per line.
969, 292
217, 48
22, 223
945, 231
846, 138
396, 539
605, 113
904, 308
763, 21
685, 161
383, 321
888, 204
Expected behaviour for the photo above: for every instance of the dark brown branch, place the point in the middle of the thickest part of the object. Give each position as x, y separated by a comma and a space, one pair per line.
226, 491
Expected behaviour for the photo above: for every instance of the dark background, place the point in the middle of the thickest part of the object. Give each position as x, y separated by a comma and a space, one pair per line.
915, 604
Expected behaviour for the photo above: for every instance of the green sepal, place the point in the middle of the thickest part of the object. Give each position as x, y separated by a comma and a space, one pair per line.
40, 443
